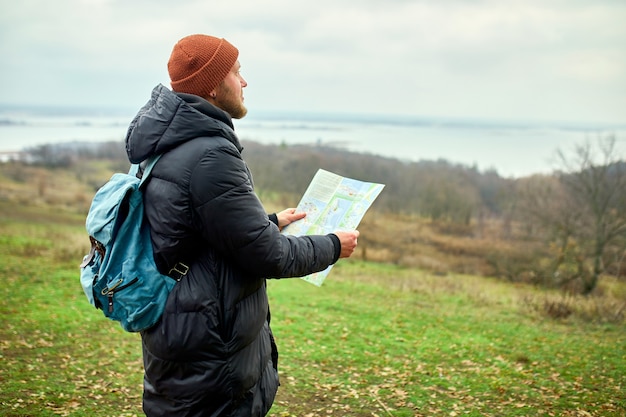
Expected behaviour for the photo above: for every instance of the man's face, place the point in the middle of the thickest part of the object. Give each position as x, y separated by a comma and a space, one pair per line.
229, 94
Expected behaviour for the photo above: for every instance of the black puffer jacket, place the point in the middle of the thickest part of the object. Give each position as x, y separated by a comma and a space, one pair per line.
212, 354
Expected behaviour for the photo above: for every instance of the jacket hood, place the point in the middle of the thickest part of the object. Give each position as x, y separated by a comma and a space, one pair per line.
169, 119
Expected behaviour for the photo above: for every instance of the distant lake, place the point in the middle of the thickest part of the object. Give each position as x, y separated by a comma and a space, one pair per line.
512, 149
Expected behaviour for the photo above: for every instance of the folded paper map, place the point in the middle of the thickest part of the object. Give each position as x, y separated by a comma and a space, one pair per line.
332, 203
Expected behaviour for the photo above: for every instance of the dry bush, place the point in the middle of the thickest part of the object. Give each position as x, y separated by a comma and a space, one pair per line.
517, 262
15, 171
56, 188
427, 262
75, 245
562, 306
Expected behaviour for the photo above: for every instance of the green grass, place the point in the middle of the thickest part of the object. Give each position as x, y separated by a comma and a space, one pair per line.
374, 340
363, 349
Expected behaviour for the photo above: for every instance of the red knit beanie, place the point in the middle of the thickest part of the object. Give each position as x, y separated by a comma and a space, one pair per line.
199, 63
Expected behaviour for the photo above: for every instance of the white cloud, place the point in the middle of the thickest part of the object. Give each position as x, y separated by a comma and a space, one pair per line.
533, 59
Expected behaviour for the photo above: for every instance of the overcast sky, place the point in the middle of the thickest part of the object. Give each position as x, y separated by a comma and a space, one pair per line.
528, 60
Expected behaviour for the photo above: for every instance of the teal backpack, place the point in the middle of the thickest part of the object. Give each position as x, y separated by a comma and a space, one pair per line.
119, 275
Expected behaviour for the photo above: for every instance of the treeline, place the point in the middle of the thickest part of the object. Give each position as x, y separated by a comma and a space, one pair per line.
438, 190
560, 230
68, 154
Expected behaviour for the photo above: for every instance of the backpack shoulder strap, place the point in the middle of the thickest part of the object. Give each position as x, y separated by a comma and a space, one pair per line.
146, 170
150, 163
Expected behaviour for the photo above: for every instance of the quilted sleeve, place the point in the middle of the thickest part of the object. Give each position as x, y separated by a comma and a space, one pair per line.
231, 218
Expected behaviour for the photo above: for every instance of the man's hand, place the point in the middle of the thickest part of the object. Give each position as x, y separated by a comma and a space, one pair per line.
348, 242
288, 216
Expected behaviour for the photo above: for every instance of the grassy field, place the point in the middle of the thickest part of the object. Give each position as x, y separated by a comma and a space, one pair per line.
374, 340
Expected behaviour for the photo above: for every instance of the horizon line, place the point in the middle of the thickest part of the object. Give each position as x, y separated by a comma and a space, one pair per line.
321, 116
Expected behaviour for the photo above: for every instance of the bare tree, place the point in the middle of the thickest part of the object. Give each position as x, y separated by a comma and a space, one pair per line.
545, 209
594, 176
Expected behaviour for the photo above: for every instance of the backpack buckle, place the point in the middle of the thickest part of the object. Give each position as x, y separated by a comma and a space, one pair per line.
178, 271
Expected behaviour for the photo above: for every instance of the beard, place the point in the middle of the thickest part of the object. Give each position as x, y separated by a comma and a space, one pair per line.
230, 101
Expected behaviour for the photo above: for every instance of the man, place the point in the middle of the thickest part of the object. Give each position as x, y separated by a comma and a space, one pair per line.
213, 353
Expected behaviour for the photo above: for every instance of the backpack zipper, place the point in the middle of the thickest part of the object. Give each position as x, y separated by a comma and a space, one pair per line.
109, 292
